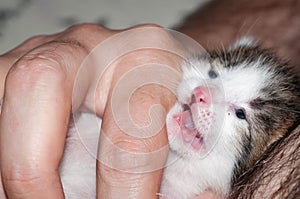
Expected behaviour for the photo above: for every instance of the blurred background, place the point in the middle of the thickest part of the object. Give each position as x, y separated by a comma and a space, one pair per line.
21, 19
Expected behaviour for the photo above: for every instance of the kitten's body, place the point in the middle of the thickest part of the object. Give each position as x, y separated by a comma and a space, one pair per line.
78, 167
211, 143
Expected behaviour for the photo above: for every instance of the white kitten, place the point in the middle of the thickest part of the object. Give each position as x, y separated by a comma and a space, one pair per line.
230, 107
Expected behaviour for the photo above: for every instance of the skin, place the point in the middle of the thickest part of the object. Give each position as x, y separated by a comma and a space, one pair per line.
36, 88
277, 171
274, 23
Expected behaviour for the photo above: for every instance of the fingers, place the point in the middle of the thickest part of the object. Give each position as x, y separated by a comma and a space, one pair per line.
35, 112
131, 159
42, 88
129, 166
133, 142
9, 58
33, 124
85, 35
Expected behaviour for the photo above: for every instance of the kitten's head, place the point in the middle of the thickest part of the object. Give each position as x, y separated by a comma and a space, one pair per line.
232, 104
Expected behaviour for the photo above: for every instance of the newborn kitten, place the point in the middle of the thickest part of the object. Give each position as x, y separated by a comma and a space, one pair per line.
231, 106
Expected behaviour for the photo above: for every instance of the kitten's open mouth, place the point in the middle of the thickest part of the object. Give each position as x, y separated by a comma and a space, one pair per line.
189, 132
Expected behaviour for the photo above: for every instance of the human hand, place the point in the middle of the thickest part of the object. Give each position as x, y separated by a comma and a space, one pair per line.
39, 80
37, 102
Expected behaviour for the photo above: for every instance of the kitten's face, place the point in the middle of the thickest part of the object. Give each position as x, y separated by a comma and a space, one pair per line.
232, 105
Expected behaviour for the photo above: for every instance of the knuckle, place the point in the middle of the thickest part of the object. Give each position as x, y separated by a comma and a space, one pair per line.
37, 63
86, 35
130, 157
33, 67
126, 153
131, 145
85, 28
156, 30
21, 181
36, 39
149, 25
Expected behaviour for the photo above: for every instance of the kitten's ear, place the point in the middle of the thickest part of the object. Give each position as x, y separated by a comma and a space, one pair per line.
245, 41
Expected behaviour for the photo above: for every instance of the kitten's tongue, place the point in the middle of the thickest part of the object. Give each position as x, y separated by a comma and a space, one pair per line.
187, 120
189, 132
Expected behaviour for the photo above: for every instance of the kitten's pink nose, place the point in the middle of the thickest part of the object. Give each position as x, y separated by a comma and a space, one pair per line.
202, 95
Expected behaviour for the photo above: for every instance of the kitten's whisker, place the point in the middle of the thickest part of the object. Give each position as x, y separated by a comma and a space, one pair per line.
224, 52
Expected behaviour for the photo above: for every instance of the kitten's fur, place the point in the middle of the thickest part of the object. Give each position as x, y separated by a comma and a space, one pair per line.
248, 78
